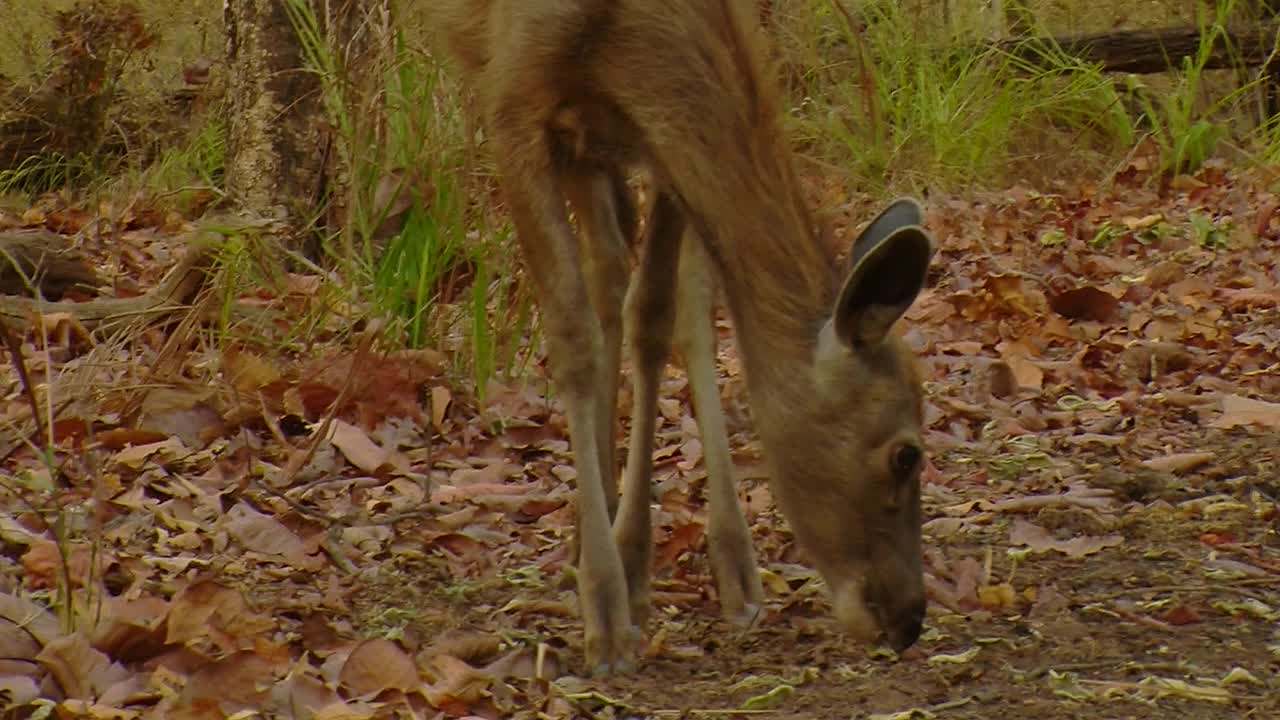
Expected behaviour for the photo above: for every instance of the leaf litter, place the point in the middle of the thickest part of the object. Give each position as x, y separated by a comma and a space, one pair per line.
258, 532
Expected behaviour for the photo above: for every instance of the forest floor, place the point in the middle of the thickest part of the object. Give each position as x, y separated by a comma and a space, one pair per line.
1103, 377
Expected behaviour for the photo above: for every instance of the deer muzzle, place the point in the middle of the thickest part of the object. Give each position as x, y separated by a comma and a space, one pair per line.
870, 614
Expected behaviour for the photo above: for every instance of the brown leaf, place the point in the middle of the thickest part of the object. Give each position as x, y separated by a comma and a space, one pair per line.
82, 672
456, 683
263, 533
1010, 291
1040, 540
186, 413
43, 563
18, 690
1181, 615
132, 629
681, 539
117, 438
376, 665
440, 399
305, 690
1179, 462
465, 645
137, 456
997, 294
1244, 299
1085, 303
208, 609
241, 680
20, 643
1017, 355
1238, 410
965, 348
356, 446
31, 620
248, 372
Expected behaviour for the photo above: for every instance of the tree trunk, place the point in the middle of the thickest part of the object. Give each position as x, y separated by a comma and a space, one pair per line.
275, 158
1269, 12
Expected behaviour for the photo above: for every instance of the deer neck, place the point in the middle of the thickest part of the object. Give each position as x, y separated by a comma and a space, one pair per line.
779, 286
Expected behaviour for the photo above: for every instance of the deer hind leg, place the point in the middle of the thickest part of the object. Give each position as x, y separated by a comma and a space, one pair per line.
606, 216
575, 344
650, 308
728, 537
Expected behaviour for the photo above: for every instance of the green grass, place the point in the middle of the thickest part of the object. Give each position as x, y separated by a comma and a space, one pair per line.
46, 172
938, 108
894, 103
1183, 128
200, 161
444, 276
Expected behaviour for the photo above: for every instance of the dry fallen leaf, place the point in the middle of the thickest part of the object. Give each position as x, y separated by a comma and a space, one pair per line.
137, 456
457, 683
1040, 540
440, 399
33, 621
1238, 410
242, 680
18, 690
1085, 303
263, 533
1179, 462
43, 563
1017, 356
246, 371
187, 413
376, 665
356, 446
81, 671
207, 609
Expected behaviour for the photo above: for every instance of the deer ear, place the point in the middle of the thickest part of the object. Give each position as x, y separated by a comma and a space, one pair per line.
888, 269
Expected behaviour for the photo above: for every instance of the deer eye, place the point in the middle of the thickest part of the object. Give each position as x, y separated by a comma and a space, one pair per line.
906, 458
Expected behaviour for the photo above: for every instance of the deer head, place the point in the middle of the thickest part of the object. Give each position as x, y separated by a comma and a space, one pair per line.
846, 464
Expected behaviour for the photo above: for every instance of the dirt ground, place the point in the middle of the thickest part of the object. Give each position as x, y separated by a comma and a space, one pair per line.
1102, 371
1115, 557
1157, 626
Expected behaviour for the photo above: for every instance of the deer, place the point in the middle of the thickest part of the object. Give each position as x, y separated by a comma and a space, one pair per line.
573, 95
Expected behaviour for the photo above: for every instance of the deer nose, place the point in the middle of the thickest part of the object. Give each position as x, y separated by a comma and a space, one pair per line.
906, 630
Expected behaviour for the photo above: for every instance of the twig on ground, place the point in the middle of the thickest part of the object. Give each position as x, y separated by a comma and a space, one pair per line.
1236, 588
14, 345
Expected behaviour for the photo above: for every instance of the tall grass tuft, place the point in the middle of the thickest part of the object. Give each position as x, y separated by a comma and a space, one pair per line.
410, 244
900, 101
1182, 126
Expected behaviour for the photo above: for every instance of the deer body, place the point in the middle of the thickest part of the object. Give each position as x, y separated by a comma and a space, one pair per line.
573, 94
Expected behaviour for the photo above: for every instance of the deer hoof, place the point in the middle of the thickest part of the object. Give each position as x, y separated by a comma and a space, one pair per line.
604, 670
749, 617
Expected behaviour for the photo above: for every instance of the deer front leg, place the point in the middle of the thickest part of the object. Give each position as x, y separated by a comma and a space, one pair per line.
604, 211
575, 345
650, 308
728, 537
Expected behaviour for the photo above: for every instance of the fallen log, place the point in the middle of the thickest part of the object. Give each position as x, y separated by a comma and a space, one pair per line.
43, 260
1152, 51
173, 293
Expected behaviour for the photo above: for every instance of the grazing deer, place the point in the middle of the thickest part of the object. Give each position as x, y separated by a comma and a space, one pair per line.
575, 93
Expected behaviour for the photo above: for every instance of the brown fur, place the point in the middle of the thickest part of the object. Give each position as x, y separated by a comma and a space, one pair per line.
573, 94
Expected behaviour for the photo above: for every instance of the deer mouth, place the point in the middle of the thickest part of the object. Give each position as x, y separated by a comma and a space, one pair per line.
901, 623
866, 617
904, 633
857, 617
